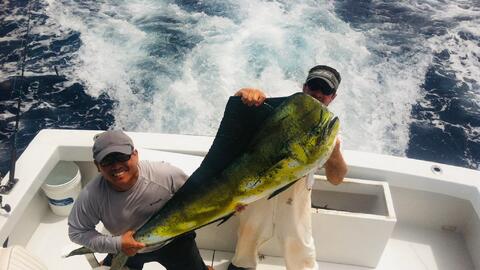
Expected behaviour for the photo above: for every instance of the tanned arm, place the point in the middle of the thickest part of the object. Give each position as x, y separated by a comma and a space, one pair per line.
335, 167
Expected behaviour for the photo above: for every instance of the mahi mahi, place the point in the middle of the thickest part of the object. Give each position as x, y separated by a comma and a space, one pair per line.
297, 137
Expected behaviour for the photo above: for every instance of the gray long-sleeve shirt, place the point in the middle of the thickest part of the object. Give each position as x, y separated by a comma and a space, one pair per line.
121, 211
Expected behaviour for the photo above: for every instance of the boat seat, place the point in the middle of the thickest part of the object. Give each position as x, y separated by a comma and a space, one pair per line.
18, 258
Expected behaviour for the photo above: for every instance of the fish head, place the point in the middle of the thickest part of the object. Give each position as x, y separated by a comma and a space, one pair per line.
321, 139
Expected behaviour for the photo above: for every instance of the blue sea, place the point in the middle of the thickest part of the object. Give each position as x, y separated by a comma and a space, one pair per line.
410, 69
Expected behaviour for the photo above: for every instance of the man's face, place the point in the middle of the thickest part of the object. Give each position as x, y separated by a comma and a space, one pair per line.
318, 95
120, 171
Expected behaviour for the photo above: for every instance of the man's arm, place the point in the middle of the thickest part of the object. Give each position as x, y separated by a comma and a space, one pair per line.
336, 167
81, 226
95, 240
81, 230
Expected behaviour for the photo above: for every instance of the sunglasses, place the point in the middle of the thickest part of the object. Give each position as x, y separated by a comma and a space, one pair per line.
114, 158
320, 85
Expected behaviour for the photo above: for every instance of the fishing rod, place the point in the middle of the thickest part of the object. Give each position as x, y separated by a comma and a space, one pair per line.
6, 188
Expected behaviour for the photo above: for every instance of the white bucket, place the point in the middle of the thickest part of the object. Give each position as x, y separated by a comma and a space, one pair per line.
62, 187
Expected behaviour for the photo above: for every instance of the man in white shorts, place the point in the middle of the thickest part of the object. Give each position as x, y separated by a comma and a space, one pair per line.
288, 215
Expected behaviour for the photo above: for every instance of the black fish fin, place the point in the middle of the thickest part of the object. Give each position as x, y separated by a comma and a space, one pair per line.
239, 125
222, 219
235, 133
225, 218
280, 190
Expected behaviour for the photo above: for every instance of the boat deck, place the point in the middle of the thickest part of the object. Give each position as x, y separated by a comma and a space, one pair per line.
410, 247
426, 198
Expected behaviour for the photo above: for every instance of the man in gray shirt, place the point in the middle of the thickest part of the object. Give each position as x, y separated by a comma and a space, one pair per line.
123, 197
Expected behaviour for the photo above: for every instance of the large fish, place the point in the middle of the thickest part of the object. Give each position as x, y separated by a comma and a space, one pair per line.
297, 137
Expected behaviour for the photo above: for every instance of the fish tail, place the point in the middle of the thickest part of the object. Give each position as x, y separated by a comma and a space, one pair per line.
78, 251
118, 261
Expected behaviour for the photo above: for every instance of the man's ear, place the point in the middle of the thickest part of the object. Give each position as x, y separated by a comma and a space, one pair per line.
304, 87
135, 155
97, 165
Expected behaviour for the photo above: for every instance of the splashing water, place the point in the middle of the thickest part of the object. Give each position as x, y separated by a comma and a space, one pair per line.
170, 66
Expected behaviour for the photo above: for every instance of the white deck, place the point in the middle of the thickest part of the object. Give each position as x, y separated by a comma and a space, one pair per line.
410, 247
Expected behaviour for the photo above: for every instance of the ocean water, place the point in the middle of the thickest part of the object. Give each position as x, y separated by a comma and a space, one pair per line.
410, 68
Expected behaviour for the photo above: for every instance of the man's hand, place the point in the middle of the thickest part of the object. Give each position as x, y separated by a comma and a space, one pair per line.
251, 96
129, 246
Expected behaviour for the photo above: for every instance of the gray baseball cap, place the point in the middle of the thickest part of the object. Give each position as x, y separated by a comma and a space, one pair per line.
325, 75
111, 141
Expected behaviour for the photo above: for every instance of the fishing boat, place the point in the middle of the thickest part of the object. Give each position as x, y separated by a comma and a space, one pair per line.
390, 213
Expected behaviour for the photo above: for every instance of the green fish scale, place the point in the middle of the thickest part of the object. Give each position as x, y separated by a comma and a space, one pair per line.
261, 169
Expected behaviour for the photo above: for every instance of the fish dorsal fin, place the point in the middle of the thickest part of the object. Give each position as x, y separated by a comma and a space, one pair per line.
280, 190
225, 218
237, 128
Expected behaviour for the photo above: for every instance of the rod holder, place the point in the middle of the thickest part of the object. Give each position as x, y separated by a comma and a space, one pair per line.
5, 189
5, 207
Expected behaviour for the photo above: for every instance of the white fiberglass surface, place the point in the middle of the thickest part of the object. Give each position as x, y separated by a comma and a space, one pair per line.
410, 247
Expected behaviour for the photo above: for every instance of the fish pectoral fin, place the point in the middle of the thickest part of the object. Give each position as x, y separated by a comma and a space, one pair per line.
225, 218
280, 190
